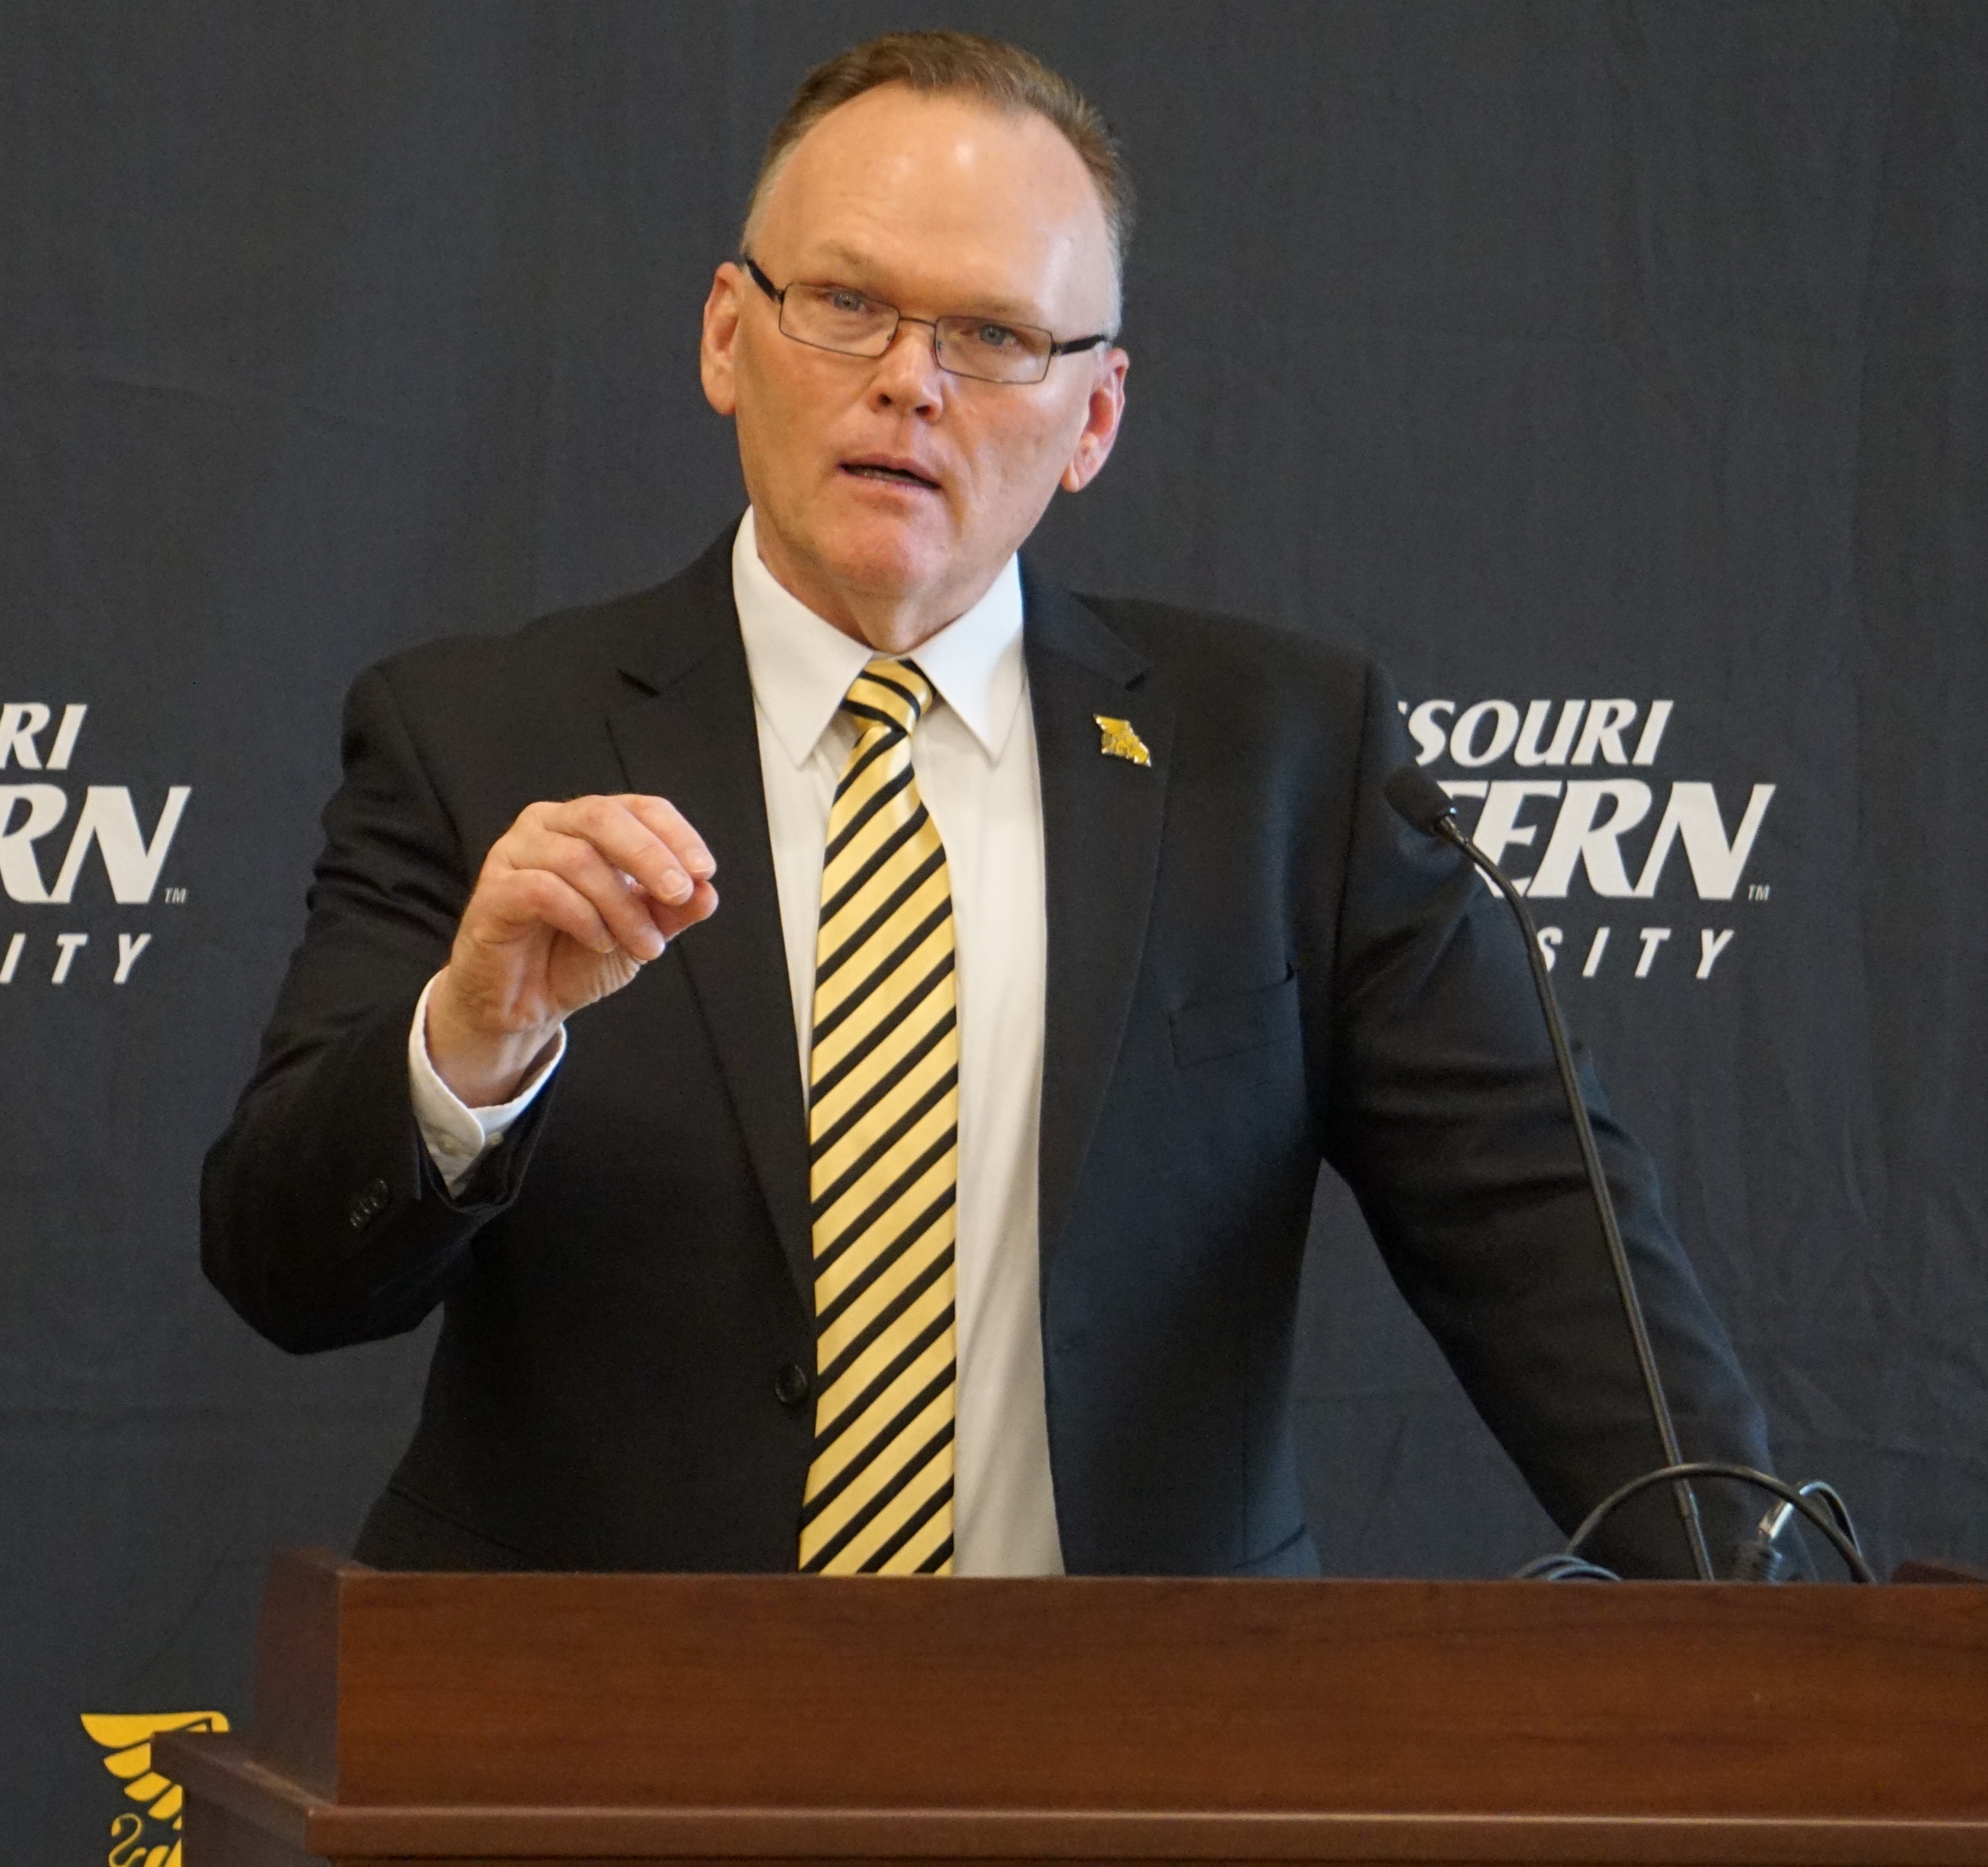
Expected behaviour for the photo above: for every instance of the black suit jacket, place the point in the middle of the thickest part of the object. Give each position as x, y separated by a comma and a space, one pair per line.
1253, 965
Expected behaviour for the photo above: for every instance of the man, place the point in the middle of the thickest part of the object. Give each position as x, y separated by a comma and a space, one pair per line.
939, 1205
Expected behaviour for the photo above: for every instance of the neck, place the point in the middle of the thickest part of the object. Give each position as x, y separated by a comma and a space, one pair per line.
892, 623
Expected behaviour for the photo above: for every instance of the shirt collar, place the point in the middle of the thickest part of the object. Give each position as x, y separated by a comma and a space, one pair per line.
801, 667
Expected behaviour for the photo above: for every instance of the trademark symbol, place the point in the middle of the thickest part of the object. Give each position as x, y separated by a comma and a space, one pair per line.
1755, 891
176, 897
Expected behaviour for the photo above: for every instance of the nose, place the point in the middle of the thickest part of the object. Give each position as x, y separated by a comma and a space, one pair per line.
907, 376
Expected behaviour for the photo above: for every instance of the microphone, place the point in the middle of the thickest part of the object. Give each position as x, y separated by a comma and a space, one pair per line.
1425, 806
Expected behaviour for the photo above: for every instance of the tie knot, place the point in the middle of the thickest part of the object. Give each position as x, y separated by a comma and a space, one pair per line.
889, 693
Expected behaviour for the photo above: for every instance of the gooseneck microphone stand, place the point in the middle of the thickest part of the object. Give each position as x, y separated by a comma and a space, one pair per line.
1420, 802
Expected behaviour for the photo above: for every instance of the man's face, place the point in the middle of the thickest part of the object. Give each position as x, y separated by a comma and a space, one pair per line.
886, 492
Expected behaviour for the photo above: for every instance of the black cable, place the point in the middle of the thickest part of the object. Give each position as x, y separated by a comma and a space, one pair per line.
1833, 1502
1844, 1544
1562, 1566
1763, 1556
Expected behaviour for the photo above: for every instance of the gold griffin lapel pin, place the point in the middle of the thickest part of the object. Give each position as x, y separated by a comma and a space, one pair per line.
1121, 741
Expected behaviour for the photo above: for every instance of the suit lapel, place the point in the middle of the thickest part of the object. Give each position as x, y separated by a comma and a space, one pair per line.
1102, 820
691, 735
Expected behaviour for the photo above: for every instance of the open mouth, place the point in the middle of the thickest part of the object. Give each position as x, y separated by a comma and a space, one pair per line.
901, 476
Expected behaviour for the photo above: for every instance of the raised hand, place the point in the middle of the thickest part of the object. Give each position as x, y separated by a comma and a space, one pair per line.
574, 899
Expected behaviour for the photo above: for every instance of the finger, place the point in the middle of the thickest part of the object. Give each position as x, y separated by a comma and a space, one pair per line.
671, 921
669, 824
614, 896
513, 902
624, 839
611, 836
626, 830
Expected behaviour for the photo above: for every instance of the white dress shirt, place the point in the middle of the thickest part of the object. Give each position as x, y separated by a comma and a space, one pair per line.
975, 758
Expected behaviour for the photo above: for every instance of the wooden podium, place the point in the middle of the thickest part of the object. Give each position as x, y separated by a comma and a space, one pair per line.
486, 1718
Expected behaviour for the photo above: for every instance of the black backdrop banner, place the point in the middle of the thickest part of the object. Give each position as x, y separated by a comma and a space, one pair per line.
1618, 373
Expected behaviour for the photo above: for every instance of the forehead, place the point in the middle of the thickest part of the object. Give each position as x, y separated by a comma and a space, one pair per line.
942, 192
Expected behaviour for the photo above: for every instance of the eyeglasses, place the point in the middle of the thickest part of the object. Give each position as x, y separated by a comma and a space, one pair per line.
839, 318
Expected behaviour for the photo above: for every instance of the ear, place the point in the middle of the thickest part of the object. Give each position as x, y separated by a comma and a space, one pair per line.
721, 336
1104, 410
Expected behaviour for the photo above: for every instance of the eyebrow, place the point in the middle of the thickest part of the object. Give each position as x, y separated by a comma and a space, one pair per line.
862, 266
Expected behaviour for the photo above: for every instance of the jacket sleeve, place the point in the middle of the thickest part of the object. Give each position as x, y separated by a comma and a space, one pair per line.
1445, 1113
322, 1220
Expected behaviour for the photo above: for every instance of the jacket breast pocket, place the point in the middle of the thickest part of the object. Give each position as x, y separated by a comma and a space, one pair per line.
1236, 1021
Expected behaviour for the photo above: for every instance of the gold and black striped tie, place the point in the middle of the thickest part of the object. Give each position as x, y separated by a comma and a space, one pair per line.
884, 1139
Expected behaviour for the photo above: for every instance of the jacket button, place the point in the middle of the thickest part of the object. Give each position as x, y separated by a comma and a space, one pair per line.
368, 1205
791, 1385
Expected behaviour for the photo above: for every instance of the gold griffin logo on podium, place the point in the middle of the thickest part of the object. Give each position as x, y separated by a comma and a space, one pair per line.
151, 1839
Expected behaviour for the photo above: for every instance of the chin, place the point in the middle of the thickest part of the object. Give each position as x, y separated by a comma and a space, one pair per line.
887, 560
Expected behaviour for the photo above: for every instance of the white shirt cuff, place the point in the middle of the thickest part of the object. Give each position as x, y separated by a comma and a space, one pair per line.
456, 1135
